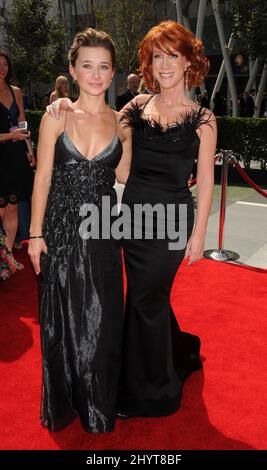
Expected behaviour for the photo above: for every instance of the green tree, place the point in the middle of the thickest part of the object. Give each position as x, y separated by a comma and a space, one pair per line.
126, 21
250, 26
36, 40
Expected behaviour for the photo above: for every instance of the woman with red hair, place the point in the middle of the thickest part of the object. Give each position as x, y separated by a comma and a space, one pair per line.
169, 132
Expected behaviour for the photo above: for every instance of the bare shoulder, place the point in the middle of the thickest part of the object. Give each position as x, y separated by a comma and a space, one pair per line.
207, 112
142, 99
123, 131
204, 111
210, 118
16, 90
138, 100
51, 124
206, 116
118, 116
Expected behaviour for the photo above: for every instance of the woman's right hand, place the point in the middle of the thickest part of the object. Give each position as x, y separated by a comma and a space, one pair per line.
63, 104
36, 247
19, 134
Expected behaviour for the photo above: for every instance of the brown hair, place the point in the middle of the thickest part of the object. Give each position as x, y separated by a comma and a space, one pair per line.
169, 36
59, 82
10, 68
92, 38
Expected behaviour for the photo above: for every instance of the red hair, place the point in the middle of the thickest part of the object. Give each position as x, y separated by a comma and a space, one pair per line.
168, 36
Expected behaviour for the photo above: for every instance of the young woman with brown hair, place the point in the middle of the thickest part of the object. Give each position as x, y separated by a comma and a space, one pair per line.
81, 296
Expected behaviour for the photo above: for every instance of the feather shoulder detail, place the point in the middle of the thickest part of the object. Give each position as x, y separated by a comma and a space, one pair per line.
188, 120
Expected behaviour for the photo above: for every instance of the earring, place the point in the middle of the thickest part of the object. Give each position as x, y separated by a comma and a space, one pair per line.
186, 80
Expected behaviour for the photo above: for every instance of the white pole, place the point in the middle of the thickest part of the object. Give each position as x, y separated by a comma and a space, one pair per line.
200, 26
227, 62
261, 89
253, 75
201, 18
179, 12
221, 73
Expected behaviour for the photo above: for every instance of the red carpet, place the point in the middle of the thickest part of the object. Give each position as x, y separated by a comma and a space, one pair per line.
223, 406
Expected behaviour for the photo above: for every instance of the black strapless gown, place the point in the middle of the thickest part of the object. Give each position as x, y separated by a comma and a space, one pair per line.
80, 295
157, 355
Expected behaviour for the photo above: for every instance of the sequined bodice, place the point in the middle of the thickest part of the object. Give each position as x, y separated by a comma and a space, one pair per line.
76, 181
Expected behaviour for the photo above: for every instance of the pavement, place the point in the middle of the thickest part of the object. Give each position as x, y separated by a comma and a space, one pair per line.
245, 227
245, 231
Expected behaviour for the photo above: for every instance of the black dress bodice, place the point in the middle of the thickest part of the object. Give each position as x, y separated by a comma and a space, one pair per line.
76, 181
163, 157
66, 152
9, 116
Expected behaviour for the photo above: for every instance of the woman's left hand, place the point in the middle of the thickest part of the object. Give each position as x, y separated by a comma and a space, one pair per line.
63, 104
195, 248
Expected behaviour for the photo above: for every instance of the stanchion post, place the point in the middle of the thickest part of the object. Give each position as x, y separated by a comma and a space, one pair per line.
221, 254
224, 181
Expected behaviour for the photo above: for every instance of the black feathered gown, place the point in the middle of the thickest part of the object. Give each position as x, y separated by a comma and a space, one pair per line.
157, 355
81, 295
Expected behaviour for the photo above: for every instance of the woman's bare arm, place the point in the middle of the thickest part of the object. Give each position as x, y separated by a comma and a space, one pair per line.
17, 134
205, 185
48, 134
205, 174
123, 169
19, 100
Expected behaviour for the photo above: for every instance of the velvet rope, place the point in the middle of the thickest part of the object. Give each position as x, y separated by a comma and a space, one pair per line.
247, 178
259, 190
246, 266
